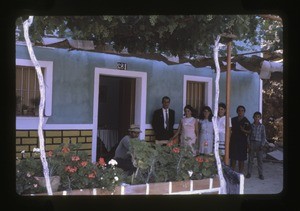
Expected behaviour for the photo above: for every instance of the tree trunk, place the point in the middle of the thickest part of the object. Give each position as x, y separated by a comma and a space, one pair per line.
216, 129
26, 26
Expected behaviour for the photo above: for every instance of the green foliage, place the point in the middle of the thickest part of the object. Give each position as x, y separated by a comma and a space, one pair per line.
273, 108
156, 163
26, 170
74, 167
78, 172
271, 32
176, 34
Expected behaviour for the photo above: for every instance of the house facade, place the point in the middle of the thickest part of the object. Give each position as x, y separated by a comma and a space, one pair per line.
90, 96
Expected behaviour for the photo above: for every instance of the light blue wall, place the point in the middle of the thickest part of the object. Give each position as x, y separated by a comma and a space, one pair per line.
73, 79
245, 90
168, 80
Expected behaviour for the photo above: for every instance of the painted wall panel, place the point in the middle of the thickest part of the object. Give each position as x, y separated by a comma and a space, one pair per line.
73, 73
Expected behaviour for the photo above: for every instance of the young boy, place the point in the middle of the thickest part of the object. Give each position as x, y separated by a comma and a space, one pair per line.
257, 141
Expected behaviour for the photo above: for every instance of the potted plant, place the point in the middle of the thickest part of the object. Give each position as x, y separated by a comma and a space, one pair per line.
18, 105
25, 109
30, 176
35, 102
26, 171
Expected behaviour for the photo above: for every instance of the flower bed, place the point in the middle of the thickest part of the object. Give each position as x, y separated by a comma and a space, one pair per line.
156, 163
74, 167
160, 170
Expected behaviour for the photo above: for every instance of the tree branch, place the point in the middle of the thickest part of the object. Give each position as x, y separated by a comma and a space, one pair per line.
272, 17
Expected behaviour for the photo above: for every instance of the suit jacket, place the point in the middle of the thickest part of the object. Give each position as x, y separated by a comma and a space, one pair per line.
158, 124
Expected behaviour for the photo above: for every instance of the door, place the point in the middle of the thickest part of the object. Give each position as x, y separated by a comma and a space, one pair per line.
126, 105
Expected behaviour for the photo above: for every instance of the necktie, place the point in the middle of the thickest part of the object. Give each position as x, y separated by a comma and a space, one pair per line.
167, 119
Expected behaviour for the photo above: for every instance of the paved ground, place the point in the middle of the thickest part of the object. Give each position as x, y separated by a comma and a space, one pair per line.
272, 183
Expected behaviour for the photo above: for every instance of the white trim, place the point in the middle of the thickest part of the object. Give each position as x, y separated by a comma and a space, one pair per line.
32, 122
210, 183
260, 100
242, 180
28, 123
122, 189
147, 188
148, 126
208, 88
140, 103
170, 187
195, 191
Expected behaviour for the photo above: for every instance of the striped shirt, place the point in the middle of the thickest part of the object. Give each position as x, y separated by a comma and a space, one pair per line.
258, 133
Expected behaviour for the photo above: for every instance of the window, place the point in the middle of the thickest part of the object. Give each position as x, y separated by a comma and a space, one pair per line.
195, 95
27, 91
197, 92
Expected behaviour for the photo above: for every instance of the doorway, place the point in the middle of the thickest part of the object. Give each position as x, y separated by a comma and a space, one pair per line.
115, 112
126, 107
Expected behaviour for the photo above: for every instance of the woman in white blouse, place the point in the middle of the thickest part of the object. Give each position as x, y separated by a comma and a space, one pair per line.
221, 121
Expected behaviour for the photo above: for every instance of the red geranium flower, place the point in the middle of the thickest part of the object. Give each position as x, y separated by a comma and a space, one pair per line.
101, 161
199, 159
92, 175
176, 149
83, 163
71, 169
50, 153
75, 158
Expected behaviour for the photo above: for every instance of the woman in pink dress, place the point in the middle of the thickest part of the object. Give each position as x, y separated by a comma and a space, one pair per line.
188, 130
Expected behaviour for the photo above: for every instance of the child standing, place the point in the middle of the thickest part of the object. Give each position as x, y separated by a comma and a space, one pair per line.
257, 140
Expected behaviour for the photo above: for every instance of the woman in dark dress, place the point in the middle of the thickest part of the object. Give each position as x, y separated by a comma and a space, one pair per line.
238, 140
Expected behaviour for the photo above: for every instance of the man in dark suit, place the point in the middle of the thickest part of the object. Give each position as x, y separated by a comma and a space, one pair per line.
163, 121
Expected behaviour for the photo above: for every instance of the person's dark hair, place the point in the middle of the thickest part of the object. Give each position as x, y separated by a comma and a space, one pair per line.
165, 98
202, 113
223, 105
256, 113
191, 109
240, 106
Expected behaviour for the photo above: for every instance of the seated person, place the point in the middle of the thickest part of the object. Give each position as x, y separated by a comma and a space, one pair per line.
122, 154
